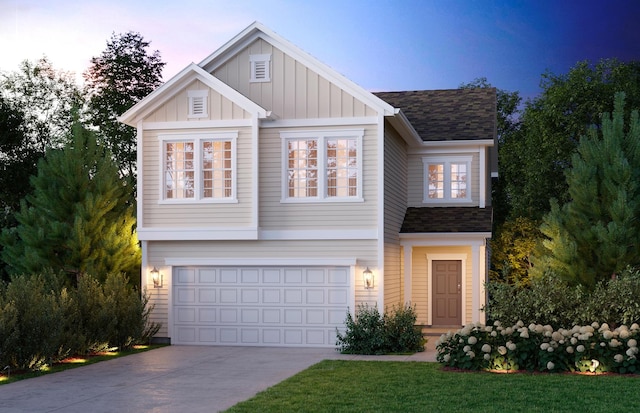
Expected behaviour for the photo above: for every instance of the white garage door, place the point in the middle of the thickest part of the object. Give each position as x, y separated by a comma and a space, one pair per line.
266, 306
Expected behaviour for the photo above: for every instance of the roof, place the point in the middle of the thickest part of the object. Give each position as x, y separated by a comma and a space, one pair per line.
453, 114
447, 219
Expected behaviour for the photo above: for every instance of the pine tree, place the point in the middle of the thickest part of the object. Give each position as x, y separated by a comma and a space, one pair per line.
596, 234
77, 218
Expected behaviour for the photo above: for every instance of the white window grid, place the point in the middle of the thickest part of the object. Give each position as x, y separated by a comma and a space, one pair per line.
207, 173
447, 179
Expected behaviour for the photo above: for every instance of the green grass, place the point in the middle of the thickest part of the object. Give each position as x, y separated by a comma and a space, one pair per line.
374, 386
73, 362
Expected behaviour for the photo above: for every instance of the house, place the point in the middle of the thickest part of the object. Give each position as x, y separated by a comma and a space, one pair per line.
275, 195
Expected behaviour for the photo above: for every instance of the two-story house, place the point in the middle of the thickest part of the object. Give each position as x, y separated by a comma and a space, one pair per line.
275, 195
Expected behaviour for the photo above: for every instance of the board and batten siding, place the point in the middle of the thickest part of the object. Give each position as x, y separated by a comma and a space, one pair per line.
395, 206
420, 282
417, 180
192, 214
176, 107
294, 92
321, 215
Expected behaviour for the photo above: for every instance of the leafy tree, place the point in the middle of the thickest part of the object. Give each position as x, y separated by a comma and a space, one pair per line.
596, 234
511, 250
121, 76
77, 219
47, 99
534, 158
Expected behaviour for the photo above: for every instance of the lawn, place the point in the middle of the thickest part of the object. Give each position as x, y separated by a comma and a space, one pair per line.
376, 386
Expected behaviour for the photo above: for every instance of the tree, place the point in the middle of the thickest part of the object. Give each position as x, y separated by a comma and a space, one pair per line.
596, 234
534, 158
117, 79
47, 99
77, 218
511, 249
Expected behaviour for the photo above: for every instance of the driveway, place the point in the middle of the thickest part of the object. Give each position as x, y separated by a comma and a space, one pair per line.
169, 379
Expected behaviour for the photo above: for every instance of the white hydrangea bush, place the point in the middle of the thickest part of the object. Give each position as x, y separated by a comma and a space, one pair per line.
593, 348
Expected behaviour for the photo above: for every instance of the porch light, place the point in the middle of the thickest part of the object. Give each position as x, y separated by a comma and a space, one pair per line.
156, 277
367, 277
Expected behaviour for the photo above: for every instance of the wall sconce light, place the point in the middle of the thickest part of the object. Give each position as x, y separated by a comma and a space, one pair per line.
367, 277
156, 277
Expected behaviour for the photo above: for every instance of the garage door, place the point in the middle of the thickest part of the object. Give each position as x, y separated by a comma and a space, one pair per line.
259, 306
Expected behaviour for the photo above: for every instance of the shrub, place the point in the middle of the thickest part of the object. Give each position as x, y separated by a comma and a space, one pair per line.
549, 300
373, 333
32, 321
591, 348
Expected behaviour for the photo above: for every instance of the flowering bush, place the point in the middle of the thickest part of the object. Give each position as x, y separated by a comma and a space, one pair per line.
593, 348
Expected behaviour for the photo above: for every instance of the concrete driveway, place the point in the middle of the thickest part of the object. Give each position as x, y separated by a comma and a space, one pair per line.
185, 379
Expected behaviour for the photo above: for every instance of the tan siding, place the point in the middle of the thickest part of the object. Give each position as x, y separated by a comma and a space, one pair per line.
193, 214
395, 206
176, 107
416, 180
294, 92
275, 215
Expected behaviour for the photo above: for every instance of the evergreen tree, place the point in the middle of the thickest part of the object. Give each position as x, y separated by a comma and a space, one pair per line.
77, 219
596, 234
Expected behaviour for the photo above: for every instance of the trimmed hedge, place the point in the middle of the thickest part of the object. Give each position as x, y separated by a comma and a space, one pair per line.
42, 322
550, 301
373, 333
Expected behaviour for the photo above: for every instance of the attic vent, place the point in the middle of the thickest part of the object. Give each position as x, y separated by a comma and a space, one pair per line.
260, 67
197, 103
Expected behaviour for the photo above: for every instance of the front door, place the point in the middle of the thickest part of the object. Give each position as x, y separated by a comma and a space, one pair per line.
447, 293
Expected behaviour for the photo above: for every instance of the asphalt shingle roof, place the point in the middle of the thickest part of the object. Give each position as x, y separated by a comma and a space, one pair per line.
442, 115
447, 219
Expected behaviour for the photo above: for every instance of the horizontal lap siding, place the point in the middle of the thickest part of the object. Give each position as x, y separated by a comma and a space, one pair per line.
417, 182
294, 92
196, 215
395, 205
275, 215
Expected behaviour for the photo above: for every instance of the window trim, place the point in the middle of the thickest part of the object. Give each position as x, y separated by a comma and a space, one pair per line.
194, 94
321, 136
254, 60
197, 139
446, 161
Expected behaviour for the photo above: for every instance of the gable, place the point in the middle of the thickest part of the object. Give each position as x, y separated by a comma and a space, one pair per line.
216, 106
299, 86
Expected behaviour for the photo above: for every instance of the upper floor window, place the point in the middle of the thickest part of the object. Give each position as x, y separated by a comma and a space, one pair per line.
198, 103
447, 179
260, 67
322, 165
199, 167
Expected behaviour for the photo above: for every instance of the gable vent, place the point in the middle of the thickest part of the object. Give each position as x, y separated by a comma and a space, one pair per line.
197, 103
260, 67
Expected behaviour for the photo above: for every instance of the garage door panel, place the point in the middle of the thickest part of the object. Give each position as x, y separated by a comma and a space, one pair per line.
273, 306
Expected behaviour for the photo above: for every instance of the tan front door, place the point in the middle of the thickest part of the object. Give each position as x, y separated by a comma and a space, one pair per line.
447, 293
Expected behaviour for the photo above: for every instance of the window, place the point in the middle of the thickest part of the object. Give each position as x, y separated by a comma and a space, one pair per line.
199, 168
260, 70
322, 166
447, 179
198, 103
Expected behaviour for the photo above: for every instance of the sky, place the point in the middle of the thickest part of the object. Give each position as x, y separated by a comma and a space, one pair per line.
382, 45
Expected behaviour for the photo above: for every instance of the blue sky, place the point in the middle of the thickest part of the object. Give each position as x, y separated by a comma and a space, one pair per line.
382, 45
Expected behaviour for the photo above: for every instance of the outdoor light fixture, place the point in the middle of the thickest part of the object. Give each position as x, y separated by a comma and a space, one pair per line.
156, 277
367, 277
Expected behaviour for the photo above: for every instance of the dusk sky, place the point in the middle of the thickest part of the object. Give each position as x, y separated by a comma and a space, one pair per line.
382, 45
